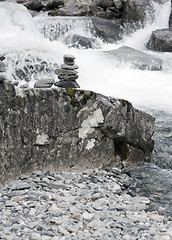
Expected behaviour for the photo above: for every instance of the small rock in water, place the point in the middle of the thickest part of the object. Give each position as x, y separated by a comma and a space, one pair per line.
2, 67
2, 58
2, 78
24, 86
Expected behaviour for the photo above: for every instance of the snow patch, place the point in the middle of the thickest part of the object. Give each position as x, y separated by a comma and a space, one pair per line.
42, 139
90, 123
90, 144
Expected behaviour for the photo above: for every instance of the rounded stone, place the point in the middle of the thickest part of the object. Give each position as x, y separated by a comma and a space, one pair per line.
69, 67
69, 57
59, 71
68, 77
67, 84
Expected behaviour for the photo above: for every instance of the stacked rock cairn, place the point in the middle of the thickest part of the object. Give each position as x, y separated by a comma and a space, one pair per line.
2, 69
67, 74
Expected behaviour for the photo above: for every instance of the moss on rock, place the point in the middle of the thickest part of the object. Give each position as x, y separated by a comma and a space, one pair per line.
78, 97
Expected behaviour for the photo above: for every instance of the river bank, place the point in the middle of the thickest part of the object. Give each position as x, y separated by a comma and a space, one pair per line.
95, 204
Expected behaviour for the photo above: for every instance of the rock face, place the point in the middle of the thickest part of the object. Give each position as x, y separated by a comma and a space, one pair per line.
68, 128
136, 58
160, 40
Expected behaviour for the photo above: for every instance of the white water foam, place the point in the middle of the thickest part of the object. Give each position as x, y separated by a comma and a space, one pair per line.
20, 37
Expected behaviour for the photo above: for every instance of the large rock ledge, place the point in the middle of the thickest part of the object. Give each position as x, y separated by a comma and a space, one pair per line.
57, 129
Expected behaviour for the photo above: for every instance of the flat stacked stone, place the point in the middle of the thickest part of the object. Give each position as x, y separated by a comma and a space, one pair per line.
2, 69
67, 74
44, 83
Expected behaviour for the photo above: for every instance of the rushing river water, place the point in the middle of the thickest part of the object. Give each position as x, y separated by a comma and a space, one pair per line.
29, 40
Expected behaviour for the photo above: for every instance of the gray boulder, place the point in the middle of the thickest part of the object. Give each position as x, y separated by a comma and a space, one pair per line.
38, 5
160, 40
57, 129
108, 30
110, 9
134, 12
78, 41
72, 10
103, 4
136, 58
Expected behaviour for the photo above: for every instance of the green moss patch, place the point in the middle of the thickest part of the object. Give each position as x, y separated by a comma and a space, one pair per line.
78, 97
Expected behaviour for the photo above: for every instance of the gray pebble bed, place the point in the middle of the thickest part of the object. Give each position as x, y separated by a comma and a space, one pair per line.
95, 204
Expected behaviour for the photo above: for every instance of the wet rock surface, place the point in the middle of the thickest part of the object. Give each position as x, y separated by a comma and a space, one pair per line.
136, 58
160, 40
95, 204
78, 41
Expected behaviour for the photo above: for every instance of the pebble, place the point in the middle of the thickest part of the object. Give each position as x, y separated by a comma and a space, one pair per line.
94, 204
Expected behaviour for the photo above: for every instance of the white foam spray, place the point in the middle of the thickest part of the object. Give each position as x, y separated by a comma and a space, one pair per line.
21, 37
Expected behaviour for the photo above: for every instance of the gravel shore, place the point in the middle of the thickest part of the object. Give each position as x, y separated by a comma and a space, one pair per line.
95, 204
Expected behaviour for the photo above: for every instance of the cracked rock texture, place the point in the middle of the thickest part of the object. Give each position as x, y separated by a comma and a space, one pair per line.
54, 129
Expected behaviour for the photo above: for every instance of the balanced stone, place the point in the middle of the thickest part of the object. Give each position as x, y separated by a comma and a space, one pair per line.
67, 84
67, 74
69, 67
68, 77
69, 57
59, 71
70, 63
